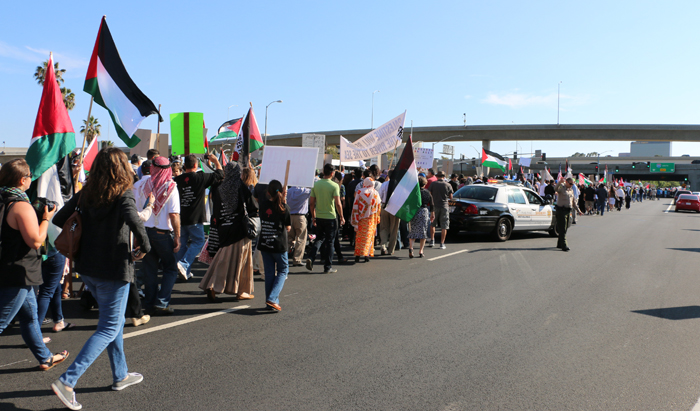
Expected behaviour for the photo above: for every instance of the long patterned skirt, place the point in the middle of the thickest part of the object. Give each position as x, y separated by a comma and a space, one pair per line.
364, 238
231, 270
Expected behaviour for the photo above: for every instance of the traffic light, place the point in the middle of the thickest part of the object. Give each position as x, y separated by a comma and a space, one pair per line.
617, 169
634, 165
596, 168
648, 163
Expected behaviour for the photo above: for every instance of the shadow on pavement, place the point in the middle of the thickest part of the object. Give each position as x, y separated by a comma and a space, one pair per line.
694, 250
46, 392
11, 407
673, 313
253, 311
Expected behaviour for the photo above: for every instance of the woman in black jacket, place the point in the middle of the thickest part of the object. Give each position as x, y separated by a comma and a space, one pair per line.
105, 263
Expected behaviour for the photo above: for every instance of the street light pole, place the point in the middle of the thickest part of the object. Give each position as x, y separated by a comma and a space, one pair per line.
228, 112
375, 91
558, 85
276, 101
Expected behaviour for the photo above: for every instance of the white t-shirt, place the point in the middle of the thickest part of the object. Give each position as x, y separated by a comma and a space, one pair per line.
162, 220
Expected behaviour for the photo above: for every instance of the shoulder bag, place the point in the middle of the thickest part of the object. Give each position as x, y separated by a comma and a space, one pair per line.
68, 242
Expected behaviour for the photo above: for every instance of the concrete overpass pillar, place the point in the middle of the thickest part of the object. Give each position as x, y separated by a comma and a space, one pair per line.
486, 144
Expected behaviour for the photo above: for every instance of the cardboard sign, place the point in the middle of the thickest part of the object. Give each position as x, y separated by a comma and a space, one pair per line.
316, 140
423, 157
302, 167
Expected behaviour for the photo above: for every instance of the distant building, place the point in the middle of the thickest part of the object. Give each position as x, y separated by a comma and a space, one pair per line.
650, 148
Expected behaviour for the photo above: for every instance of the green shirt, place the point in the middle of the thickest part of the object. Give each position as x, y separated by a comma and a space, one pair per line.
324, 190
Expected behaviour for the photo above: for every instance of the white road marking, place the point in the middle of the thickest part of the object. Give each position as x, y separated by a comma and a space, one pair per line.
669, 208
447, 255
12, 363
183, 322
696, 407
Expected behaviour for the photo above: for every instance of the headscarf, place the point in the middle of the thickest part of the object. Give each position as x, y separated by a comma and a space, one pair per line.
161, 183
367, 202
231, 185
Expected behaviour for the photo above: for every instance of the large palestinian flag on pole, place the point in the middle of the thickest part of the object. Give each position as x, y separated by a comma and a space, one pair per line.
109, 83
492, 159
53, 137
251, 139
404, 192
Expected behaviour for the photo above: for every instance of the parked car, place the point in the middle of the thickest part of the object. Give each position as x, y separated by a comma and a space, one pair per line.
688, 202
500, 209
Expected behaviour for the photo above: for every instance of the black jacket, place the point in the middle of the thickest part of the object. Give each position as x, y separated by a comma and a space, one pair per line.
104, 245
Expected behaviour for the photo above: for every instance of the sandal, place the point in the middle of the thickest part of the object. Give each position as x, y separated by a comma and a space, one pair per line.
65, 296
53, 361
66, 326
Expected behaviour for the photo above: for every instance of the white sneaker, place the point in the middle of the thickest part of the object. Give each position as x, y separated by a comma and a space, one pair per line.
442, 246
182, 272
431, 243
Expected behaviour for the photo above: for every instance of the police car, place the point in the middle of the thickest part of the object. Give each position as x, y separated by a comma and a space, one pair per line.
500, 209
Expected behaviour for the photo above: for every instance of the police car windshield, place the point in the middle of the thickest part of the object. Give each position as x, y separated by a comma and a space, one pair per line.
477, 192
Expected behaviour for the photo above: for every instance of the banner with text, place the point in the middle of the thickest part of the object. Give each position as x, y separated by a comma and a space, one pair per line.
423, 157
377, 142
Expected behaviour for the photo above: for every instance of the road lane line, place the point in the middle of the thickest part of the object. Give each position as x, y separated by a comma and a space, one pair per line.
183, 322
669, 208
696, 407
446, 255
12, 363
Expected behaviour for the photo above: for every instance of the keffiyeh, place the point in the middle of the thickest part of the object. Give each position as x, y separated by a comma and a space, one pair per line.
161, 183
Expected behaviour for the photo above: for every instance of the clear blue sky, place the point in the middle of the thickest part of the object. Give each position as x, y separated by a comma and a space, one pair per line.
626, 62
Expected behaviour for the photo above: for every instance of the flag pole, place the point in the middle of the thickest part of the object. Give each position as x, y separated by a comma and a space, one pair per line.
158, 130
87, 130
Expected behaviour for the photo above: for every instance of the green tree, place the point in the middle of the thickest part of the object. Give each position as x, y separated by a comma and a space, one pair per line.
90, 129
333, 150
40, 73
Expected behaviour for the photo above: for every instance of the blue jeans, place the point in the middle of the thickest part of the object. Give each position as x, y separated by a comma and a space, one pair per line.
21, 301
111, 297
50, 290
601, 206
326, 230
188, 253
162, 246
274, 283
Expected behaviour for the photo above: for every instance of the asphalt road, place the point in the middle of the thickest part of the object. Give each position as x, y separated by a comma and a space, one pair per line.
610, 325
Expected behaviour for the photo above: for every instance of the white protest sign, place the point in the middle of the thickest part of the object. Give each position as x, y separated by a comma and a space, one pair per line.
301, 169
525, 162
377, 142
423, 157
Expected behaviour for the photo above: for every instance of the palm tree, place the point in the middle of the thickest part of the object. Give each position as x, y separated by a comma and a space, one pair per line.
92, 128
41, 72
68, 96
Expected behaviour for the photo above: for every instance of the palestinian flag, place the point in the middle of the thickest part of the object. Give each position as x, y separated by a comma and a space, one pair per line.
187, 133
90, 154
492, 159
250, 138
403, 191
583, 180
53, 137
229, 129
112, 88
